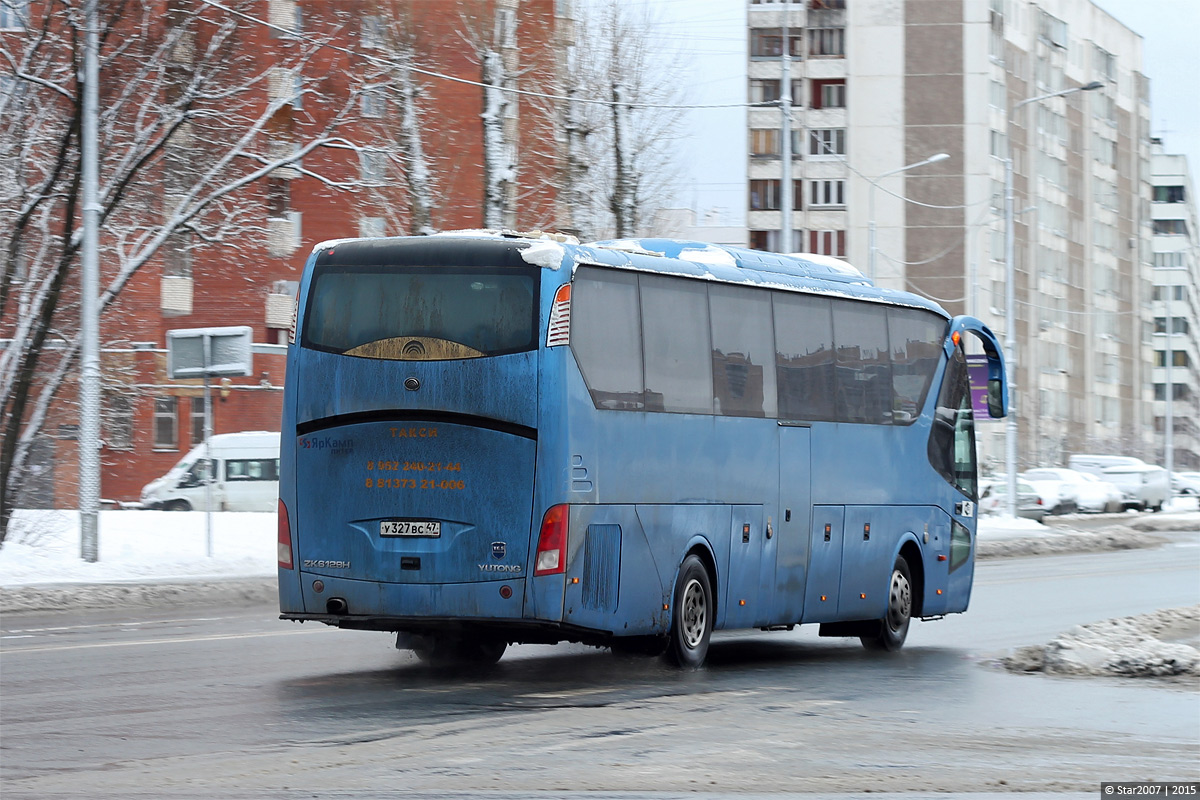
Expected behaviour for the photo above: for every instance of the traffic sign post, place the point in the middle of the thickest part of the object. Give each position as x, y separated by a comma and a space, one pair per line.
209, 353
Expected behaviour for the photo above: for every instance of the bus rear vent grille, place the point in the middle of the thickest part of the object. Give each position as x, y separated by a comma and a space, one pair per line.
601, 567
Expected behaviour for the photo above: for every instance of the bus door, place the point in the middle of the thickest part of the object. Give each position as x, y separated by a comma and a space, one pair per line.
790, 530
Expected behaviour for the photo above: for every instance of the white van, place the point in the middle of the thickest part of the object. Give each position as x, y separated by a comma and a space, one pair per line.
247, 476
1143, 486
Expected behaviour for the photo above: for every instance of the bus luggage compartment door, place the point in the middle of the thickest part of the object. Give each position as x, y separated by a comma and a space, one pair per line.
416, 503
790, 528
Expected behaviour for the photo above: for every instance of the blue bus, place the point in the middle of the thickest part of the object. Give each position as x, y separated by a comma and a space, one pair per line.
493, 439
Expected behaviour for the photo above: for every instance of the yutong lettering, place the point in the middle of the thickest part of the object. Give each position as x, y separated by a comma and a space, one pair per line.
500, 568
414, 433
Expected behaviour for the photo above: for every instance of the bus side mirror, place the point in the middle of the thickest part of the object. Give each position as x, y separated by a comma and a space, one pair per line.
995, 399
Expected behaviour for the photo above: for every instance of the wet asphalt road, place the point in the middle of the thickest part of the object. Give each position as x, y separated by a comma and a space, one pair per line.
235, 703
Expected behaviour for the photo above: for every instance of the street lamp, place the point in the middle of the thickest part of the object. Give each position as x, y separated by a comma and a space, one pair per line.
871, 206
1010, 292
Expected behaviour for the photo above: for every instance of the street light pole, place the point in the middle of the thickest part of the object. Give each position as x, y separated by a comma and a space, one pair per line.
1010, 293
786, 245
871, 249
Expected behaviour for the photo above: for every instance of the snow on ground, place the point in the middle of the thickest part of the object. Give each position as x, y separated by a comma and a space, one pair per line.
137, 546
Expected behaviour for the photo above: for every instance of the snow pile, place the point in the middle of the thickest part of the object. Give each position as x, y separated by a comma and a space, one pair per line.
1148, 645
545, 254
1005, 537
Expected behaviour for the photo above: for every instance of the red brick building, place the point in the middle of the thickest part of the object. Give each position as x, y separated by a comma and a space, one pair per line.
324, 71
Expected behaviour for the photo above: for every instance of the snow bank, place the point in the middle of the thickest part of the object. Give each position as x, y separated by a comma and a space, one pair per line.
1160, 644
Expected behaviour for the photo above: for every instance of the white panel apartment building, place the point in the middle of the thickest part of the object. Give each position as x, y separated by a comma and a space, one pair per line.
878, 85
1176, 306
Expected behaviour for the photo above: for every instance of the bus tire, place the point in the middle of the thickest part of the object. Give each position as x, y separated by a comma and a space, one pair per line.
893, 628
449, 651
692, 615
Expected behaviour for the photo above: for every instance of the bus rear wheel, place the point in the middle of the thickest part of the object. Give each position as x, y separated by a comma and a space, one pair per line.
692, 617
440, 650
893, 628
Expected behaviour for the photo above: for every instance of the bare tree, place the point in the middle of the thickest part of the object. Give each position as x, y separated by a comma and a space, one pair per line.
627, 140
190, 120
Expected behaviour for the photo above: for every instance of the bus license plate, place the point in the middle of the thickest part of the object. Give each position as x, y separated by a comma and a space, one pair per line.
410, 527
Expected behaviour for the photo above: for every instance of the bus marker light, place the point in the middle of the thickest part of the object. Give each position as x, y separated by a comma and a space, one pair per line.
939, 591
318, 586
285, 538
574, 580
941, 558
862, 597
666, 607
823, 598
741, 602
956, 337
559, 330
506, 591
552, 542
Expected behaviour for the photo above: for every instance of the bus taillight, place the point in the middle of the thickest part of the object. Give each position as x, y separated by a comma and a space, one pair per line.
552, 542
559, 331
285, 538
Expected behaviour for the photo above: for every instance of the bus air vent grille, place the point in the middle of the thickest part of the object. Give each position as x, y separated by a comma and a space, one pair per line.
601, 567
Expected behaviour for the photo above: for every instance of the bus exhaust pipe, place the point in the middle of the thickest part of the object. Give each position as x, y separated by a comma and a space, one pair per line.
336, 605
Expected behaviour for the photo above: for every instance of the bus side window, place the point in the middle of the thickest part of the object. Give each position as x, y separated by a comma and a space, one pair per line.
952, 438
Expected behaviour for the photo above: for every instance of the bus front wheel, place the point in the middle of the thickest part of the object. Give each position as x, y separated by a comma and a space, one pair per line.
893, 628
692, 617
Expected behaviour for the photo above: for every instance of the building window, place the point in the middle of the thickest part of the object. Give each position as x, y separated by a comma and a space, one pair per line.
827, 193
764, 90
177, 254
279, 197
1170, 227
14, 14
797, 194
768, 42
373, 103
769, 241
827, 243
1169, 194
1178, 325
166, 424
764, 142
827, 42
374, 166
371, 227
119, 421
372, 32
764, 195
196, 418
1179, 358
827, 142
1169, 260
829, 94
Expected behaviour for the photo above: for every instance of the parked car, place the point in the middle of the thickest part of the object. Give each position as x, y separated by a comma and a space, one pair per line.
1115, 500
246, 476
1059, 496
1186, 484
1143, 486
993, 499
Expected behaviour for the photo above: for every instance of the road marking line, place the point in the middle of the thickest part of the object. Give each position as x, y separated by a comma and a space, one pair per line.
224, 637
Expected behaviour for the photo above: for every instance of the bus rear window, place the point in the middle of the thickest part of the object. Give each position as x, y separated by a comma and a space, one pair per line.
421, 313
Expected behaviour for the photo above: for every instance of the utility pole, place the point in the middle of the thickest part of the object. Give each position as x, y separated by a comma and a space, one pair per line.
786, 245
89, 323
